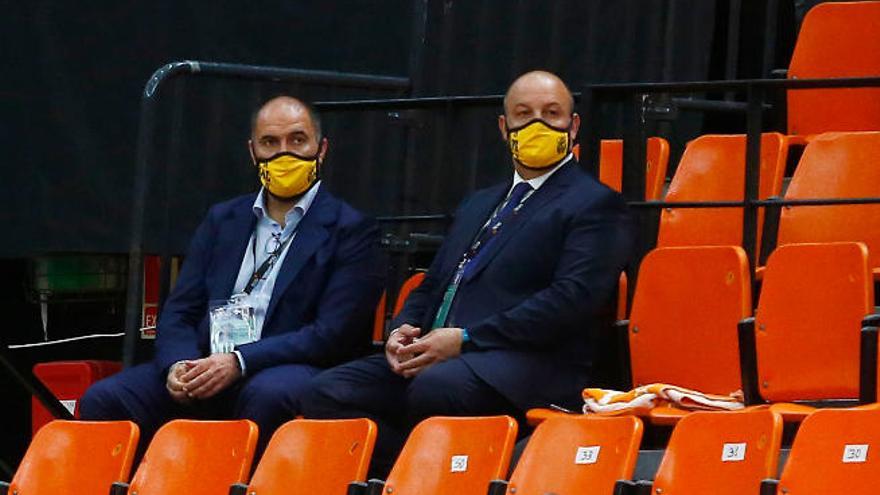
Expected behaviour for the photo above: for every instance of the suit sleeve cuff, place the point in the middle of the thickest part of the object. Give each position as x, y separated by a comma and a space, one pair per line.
240, 358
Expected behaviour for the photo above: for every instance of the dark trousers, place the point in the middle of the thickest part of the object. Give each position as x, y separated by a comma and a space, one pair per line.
269, 398
368, 388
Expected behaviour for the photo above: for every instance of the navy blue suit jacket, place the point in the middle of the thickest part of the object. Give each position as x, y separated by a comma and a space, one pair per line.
322, 306
529, 306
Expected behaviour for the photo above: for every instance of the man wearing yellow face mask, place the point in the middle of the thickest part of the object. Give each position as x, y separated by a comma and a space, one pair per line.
294, 270
505, 318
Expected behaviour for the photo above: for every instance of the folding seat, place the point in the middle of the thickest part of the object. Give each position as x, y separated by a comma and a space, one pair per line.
717, 452
459, 455
611, 165
712, 168
835, 451
611, 174
379, 319
408, 286
575, 454
683, 325
194, 457
836, 166
72, 457
313, 456
803, 343
837, 39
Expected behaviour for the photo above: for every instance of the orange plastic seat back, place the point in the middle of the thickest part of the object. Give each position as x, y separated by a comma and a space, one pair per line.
813, 300
196, 458
578, 454
408, 286
76, 457
683, 323
458, 455
835, 451
309, 456
837, 39
836, 165
712, 168
721, 453
611, 165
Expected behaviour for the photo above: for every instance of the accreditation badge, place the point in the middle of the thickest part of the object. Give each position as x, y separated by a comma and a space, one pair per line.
233, 323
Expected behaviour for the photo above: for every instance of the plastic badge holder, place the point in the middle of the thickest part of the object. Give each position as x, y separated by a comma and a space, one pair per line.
232, 323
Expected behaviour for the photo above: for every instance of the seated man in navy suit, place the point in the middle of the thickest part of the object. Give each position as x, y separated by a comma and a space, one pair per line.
307, 265
505, 318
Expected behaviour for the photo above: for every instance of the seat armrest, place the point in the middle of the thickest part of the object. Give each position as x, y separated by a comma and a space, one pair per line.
768, 486
497, 487
621, 328
238, 489
357, 488
868, 365
628, 487
375, 487
748, 362
119, 488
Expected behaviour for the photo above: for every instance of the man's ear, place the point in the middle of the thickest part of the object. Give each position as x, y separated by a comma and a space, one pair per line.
251, 151
575, 126
323, 146
502, 127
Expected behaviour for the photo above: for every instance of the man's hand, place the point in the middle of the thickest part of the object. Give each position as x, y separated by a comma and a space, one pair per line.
439, 345
174, 384
206, 377
399, 338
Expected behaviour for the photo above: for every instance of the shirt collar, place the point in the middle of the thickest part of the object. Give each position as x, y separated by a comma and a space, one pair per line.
541, 179
302, 204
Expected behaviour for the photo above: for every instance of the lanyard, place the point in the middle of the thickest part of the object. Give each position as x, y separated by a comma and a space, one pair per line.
267, 264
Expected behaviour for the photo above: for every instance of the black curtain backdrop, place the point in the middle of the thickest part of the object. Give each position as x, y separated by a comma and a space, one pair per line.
74, 71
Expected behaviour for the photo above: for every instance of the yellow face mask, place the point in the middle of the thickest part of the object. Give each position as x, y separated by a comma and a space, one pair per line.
286, 175
537, 145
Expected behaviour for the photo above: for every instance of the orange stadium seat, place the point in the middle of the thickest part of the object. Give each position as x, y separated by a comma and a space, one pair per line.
803, 343
76, 457
712, 168
460, 455
611, 165
835, 451
194, 457
683, 325
720, 453
408, 286
313, 456
836, 165
687, 304
576, 454
837, 39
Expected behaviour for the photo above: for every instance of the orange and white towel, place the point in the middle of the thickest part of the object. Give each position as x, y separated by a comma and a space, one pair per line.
642, 399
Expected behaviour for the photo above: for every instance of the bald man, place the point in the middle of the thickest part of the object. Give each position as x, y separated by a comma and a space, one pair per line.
307, 265
505, 318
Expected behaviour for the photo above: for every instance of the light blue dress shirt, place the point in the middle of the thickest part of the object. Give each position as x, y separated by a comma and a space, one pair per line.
268, 235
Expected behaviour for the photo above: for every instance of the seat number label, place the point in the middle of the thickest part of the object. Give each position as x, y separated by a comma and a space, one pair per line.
855, 453
459, 463
587, 455
733, 452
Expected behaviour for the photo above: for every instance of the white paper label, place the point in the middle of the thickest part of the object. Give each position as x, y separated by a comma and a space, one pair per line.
733, 452
587, 455
459, 463
855, 453
69, 404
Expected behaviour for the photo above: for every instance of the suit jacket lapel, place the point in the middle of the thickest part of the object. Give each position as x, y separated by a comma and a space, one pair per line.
476, 216
310, 235
234, 239
554, 186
